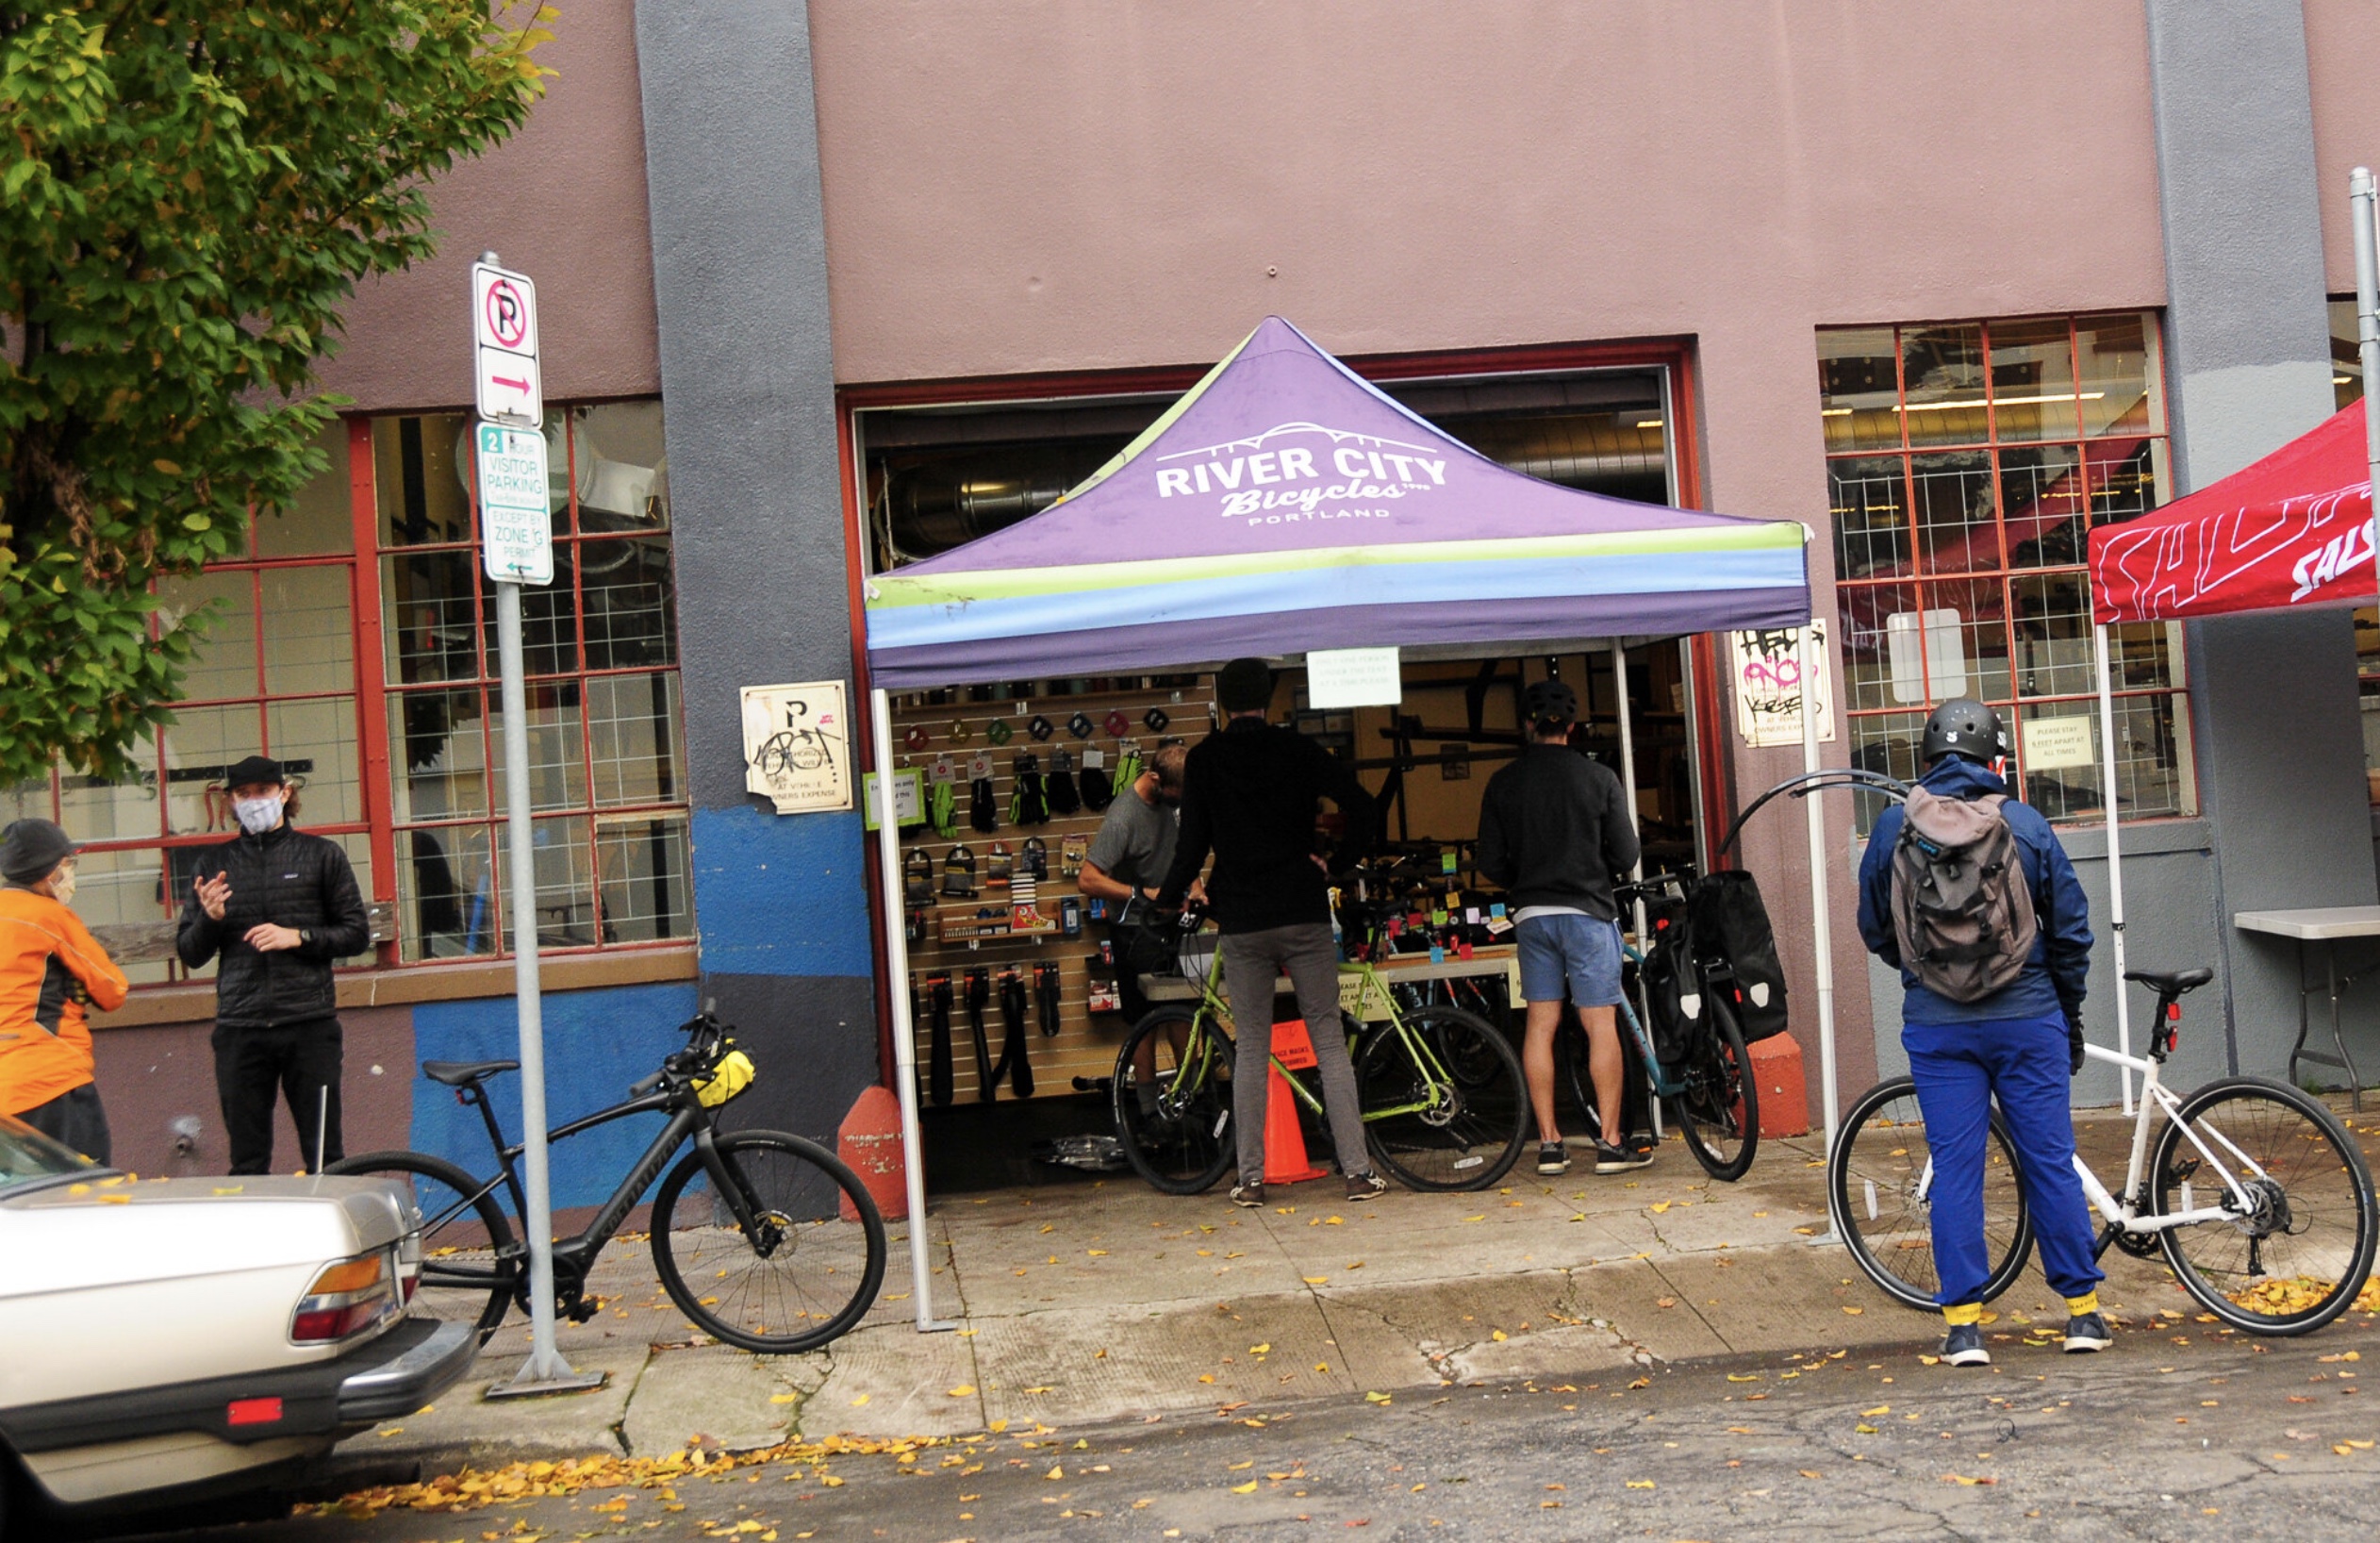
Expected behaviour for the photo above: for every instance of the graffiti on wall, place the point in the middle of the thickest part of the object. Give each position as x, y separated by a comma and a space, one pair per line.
1766, 669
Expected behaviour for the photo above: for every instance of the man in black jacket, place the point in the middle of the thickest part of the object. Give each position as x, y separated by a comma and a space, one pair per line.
1555, 832
278, 905
1251, 793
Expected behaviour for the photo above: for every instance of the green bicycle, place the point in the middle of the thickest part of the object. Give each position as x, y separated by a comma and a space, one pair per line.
1440, 1089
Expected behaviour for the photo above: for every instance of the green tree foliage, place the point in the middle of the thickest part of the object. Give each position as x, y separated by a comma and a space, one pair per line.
189, 191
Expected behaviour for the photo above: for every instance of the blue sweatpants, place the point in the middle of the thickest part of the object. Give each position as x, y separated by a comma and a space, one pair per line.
1959, 1068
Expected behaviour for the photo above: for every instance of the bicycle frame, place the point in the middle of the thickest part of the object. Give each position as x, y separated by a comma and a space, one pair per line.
574, 1257
2122, 1214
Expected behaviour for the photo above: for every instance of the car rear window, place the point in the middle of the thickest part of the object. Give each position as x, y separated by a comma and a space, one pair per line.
28, 1157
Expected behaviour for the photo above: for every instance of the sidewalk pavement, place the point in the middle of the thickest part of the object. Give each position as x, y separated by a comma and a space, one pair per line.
1100, 1302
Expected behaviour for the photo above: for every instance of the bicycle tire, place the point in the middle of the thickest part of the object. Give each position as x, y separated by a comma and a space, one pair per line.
794, 1206
452, 1202
1719, 1113
1892, 1243
2319, 1205
1470, 1132
1183, 1144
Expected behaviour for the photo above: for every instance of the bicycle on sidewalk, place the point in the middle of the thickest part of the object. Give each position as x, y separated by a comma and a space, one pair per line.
2258, 1200
1708, 1084
744, 1230
1440, 1089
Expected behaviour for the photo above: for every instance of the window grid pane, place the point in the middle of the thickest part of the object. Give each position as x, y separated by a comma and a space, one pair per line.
1960, 567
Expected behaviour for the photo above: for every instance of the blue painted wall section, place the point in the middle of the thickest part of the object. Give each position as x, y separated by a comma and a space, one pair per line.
780, 894
597, 1044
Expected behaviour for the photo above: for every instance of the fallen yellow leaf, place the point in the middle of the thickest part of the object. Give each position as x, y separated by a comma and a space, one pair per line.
962, 1390
1247, 1488
1640, 1484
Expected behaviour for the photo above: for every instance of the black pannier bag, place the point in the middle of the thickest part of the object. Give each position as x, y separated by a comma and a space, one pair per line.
1729, 920
1673, 1005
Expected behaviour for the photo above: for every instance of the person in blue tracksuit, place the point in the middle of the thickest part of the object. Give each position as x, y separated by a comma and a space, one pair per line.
2022, 1044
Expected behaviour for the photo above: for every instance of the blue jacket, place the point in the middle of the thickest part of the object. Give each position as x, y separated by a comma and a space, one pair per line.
2054, 977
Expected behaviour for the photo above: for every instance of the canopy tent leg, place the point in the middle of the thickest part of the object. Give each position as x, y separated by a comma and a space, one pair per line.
913, 1155
2361, 195
1821, 924
1628, 790
2115, 856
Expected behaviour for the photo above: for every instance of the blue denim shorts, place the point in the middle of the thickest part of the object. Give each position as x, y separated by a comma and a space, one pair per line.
1577, 949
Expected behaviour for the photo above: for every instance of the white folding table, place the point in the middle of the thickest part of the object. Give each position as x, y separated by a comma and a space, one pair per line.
2328, 925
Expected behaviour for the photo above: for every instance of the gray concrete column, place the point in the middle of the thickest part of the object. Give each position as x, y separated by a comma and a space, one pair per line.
747, 386
2279, 746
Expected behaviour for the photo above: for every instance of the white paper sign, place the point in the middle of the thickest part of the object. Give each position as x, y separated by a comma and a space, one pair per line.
1766, 668
2054, 744
1353, 677
797, 746
516, 531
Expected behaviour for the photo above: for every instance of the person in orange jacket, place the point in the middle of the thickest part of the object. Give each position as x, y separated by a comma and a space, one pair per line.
50, 969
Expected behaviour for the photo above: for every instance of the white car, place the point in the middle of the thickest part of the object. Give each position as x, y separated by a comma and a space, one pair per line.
169, 1338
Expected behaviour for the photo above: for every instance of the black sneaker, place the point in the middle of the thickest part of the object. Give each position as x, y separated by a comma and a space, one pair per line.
1553, 1157
1367, 1186
2087, 1333
1963, 1346
1612, 1159
1250, 1196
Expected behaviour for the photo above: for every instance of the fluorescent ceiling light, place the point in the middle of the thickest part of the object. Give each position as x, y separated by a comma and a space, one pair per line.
2002, 400
1648, 422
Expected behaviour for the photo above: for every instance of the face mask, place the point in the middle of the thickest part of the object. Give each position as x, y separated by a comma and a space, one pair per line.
258, 814
62, 886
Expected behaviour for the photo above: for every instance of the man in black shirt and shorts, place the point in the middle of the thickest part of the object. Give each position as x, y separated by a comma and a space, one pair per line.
1554, 832
1249, 793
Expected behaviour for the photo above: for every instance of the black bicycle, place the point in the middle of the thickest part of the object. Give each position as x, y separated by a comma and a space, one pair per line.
746, 1233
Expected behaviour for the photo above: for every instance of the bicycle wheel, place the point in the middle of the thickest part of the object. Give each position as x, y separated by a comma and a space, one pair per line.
1172, 1092
1432, 1128
1878, 1181
1719, 1113
2296, 1256
801, 1275
470, 1272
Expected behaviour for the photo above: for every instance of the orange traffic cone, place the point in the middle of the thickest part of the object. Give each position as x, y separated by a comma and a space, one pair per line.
1285, 1159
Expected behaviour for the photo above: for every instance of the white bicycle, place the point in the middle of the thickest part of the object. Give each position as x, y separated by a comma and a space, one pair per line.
2255, 1195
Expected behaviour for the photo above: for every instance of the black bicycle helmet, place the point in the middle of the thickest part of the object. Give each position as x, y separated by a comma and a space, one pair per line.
1550, 702
1962, 726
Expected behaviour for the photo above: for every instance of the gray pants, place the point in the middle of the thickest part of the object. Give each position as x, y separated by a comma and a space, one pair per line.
1250, 962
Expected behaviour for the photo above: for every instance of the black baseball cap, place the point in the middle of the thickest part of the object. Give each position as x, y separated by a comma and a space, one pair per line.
255, 769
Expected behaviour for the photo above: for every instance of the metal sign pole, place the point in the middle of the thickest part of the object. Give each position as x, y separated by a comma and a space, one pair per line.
2115, 849
1822, 925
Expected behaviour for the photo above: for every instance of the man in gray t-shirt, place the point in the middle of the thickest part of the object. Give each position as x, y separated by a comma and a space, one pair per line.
1129, 856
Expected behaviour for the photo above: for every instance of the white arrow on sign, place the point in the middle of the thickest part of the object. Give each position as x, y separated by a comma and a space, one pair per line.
505, 330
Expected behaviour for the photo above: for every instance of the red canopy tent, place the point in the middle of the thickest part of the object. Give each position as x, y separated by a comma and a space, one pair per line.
2293, 529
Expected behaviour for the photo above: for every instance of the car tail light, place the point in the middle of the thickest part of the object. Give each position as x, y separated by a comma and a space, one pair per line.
347, 1298
409, 1267
253, 1412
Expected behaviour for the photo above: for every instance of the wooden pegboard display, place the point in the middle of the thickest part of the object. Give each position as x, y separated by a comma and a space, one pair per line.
928, 725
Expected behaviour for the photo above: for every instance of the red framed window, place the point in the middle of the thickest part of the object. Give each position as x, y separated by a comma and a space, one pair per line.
1966, 461
373, 681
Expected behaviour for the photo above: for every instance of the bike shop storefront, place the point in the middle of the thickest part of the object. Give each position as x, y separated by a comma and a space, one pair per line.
1284, 507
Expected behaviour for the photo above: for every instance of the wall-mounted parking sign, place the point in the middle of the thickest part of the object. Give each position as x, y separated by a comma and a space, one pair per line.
516, 534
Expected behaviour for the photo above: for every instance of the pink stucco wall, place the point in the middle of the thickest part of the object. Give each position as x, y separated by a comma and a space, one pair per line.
564, 201
2342, 41
1081, 184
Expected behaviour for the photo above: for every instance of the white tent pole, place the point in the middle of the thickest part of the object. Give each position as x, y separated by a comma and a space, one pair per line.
913, 1154
2115, 855
1821, 924
1627, 762
2367, 325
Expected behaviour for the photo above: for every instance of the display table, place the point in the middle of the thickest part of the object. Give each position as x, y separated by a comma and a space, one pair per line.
2327, 926
1497, 961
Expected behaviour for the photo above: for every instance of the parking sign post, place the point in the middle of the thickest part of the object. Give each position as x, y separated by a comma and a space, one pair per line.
517, 547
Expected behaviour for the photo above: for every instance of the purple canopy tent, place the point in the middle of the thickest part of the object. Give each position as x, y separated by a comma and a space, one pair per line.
1285, 505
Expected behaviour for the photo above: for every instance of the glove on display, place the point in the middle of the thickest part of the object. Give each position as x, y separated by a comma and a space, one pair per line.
981, 812
1028, 801
942, 809
1063, 799
1098, 792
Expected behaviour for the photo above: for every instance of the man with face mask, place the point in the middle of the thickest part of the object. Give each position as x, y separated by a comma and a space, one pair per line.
51, 971
278, 905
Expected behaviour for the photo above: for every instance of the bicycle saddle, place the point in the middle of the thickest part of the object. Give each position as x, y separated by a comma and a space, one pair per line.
2171, 982
455, 1073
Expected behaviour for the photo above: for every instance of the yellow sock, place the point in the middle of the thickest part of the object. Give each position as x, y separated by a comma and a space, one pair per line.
1965, 1312
2087, 1303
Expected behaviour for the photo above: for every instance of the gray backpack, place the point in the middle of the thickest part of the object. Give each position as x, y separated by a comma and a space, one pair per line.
1961, 905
